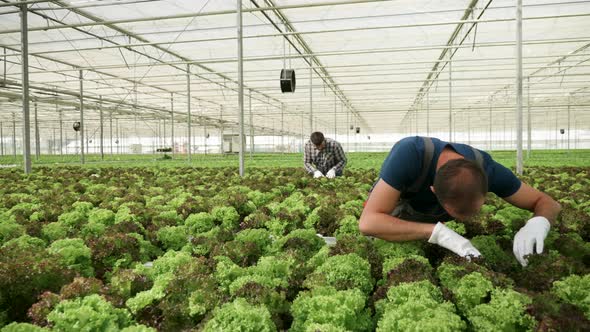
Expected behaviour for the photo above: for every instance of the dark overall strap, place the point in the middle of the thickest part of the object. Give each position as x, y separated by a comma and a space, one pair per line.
428, 155
478, 157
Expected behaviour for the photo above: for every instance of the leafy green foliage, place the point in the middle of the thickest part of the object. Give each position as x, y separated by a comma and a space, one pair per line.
471, 290
459, 228
10, 229
227, 216
161, 273
497, 258
349, 225
343, 272
575, 290
394, 262
417, 306
512, 218
74, 254
245, 238
90, 313
23, 327
239, 315
199, 222
173, 237
505, 312
344, 309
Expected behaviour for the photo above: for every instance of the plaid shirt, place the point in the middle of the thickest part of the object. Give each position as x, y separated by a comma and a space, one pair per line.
332, 156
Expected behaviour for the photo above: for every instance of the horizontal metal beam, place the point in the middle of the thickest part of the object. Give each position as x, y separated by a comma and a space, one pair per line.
231, 38
188, 15
306, 21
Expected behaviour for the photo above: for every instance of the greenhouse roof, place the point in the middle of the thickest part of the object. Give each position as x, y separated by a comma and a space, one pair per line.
383, 66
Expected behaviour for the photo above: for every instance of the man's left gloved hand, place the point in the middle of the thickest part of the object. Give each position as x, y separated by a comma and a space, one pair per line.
317, 174
331, 174
533, 233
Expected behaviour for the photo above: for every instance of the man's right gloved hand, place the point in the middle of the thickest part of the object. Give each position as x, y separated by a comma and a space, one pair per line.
447, 238
317, 174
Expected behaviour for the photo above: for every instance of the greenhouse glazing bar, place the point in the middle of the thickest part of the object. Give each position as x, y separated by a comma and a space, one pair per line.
529, 125
14, 136
188, 102
172, 123
82, 117
450, 69
101, 130
251, 123
37, 137
169, 63
518, 83
61, 140
311, 96
240, 88
25, 89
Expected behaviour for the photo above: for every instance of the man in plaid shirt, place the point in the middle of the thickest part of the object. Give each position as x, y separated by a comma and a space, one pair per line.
323, 156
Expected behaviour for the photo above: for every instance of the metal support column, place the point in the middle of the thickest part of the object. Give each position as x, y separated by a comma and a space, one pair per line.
251, 123
118, 137
450, 97
221, 129
335, 119
111, 131
101, 129
81, 116
14, 135
24, 34
240, 88
310, 96
37, 136
188, 101
61, 139
206, 137
52, 145
529, 126
302, 133
428, 114
568, 120
2, 137
5, 68
490, 123
348, 129
519, 87
282, 127
173, 143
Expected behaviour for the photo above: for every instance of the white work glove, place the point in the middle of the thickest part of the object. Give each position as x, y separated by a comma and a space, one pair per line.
331, 174
317, 174
534, 232
447, 238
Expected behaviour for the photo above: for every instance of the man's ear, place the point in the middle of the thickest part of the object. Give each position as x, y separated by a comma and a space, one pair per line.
432, 189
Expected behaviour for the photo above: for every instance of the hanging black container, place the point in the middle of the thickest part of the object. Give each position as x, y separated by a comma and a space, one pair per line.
76, 126
287, 80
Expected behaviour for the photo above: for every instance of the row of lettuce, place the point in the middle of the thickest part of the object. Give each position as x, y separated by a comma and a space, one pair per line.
179, 249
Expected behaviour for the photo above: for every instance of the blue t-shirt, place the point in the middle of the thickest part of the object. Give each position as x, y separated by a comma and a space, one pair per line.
403, 166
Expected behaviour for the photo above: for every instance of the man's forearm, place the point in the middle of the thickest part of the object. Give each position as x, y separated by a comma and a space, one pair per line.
386, 227
548, 208
309, 167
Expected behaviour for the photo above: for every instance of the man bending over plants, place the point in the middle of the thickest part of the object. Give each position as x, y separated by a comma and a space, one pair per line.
323, 157
425, 181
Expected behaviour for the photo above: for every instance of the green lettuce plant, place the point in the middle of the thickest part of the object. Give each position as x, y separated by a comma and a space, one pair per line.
344, 309
239, 315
